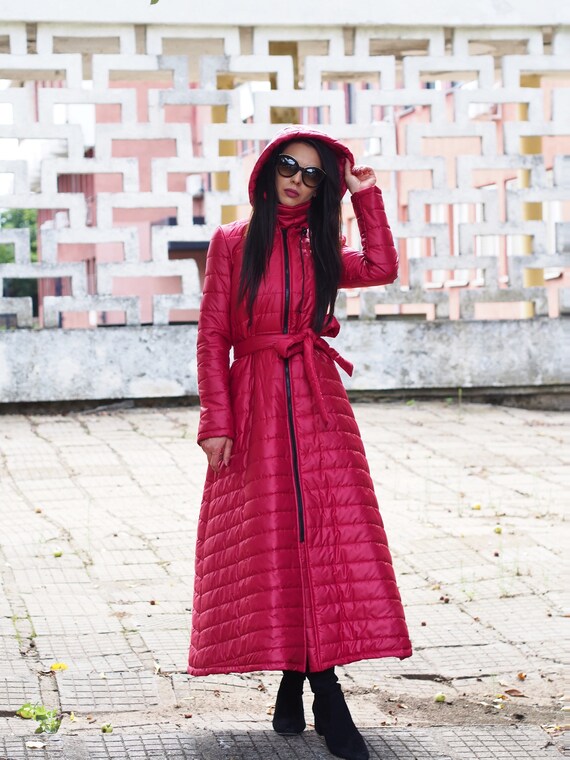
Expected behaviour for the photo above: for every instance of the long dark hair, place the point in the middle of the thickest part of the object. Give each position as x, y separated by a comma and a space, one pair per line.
324, 233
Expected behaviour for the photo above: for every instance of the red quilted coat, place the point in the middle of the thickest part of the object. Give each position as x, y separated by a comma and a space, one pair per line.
292, 563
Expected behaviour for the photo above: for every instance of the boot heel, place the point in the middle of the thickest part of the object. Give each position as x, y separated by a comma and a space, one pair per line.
333, 719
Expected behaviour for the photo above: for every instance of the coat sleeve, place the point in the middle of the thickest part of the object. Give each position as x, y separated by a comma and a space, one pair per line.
214, 342
377, 263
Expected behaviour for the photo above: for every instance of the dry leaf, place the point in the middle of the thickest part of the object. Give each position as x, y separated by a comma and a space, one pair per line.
514, 693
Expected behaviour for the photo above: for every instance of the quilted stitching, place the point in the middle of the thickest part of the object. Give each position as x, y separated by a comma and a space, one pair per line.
264, 600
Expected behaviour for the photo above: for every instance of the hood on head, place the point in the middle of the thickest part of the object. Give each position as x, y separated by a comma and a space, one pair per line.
297, 132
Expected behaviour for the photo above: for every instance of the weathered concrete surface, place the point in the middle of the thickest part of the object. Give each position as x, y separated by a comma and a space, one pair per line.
98, 515
156, 362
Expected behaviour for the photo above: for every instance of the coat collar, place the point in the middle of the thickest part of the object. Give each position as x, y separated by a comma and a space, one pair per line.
293, 216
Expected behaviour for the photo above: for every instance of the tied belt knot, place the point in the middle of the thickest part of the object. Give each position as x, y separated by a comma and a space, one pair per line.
287, 345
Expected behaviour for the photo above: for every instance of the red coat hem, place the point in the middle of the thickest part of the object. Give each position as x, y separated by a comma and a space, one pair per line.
264, 666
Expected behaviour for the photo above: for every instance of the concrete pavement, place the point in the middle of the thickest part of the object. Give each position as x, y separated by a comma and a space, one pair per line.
98, 513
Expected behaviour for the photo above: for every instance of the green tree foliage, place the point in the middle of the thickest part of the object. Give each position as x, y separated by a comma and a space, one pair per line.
19, 218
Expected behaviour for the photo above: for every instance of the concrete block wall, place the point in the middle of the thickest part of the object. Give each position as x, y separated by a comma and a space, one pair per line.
140, 63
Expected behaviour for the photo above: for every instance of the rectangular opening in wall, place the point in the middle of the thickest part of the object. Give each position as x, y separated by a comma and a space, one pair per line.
498, 48
183, 316
7, 253
87, 45
193, 50
21, 287
400, 47
81, 320
8, 321
405, 311
500, 310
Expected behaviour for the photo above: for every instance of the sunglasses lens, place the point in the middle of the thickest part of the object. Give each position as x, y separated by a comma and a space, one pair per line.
312, 176
287, 166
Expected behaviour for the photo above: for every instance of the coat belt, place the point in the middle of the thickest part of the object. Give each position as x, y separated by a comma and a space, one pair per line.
287, 345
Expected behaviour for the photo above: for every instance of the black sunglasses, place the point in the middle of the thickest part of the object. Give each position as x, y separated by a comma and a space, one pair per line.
287, 166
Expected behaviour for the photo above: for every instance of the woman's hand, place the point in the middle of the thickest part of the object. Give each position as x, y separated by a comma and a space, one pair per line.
358, 177
218, 451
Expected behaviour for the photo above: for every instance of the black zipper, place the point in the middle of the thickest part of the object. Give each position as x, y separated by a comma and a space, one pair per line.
294, 453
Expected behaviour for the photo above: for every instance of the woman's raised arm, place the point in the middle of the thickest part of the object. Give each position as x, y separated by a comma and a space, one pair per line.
377, 262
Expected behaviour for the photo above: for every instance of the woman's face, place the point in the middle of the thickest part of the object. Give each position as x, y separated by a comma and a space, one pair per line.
292, 191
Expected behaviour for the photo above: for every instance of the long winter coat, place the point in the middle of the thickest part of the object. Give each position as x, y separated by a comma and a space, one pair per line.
292, 563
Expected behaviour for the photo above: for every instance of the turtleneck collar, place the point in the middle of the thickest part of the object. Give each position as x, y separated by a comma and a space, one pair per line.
293, 216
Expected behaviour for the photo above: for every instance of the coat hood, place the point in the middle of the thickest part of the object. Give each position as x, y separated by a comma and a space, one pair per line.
297, 132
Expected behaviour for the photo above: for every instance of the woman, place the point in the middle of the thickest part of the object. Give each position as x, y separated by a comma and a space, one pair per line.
293, 570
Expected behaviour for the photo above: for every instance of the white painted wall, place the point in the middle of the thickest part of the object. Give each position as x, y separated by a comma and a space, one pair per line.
270, 12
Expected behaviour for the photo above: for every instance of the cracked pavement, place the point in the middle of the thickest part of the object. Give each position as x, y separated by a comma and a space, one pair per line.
99, 511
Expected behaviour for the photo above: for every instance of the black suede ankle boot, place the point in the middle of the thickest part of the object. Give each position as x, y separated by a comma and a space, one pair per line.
333, 719
289, 716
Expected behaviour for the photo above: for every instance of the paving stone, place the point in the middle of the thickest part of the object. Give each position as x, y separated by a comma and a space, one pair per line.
144, 592
126, 691
43, 557
445, 624
33, 579
367, 673
170, 649
177, 747
84, 649
477, 661
182, 569
190, 687
390, 744
15, 690
9, 648
125, 556
14, 748
56, 605
160, 622
404, 744
521, 619
501, 587
552, 652
12, 662
144, 475
142, 609
5, 608
119, 573
490, 742
70, 624
7, 627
